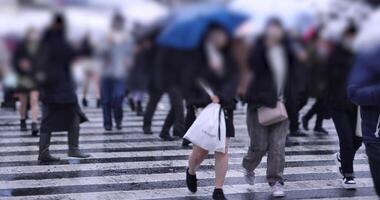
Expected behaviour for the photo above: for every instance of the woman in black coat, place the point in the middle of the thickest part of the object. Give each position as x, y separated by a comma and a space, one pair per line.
212, 67
24, 62
343, 111
60, 109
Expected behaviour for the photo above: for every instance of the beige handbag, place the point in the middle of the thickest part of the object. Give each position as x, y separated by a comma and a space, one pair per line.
269, 116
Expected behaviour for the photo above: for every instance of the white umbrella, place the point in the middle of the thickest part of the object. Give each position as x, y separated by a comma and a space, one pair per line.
295, 14
369, 35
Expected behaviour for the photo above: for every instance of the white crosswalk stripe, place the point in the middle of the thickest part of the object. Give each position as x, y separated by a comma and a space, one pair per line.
130, 165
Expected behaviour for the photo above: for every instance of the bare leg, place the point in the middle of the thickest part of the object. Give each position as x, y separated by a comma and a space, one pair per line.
221, 167
196, 158
85, 85
96, 80
23, 105
34, 105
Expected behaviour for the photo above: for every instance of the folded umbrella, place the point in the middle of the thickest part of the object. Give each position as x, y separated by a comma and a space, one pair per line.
186, 32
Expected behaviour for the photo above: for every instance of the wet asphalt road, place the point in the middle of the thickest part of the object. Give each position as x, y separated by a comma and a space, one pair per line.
129, 165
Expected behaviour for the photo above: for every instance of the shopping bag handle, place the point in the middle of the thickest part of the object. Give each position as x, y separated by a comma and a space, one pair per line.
220, 113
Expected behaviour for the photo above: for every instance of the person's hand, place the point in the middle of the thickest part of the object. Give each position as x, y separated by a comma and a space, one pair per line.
215, 99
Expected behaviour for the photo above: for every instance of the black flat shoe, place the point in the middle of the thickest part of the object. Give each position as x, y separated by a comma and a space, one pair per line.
166, 137
218, 194
34, 129
191, 181
48, 159
23, 125
76, 153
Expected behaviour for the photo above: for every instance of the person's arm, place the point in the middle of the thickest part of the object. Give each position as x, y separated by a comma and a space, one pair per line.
361, 89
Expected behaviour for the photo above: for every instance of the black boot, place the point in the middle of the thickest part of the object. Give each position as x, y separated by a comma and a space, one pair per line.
98, 103
147, 131
139, 109
191, 181
132, 104
34, 129
84, 102
75, 152
218, 194
44, 153
23, 125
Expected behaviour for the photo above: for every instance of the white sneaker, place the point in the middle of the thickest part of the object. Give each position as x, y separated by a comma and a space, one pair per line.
249, 177
278, 190
349, 183
338, 164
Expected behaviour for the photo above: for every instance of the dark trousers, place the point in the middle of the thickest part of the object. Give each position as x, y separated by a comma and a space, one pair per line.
175, 116
73, 138
293, 114
176, 113
112, 95
345, 124
154, 97
316, 109
373, 153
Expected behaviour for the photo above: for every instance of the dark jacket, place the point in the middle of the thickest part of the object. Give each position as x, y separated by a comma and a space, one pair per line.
140, 75
364, 90
55, 58
27, 79
262, 90
224, 86
339, 65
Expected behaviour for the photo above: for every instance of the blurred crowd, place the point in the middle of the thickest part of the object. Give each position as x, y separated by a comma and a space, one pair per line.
141, 65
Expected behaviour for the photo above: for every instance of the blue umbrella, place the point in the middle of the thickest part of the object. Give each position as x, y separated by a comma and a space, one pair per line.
186, 31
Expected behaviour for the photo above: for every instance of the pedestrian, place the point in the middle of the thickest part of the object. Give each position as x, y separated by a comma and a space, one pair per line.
91, 71
138, 79
117, 56
24, 62
344, 113
317, 82
364, 90
274, 81
169, 79
60, 109
216, 69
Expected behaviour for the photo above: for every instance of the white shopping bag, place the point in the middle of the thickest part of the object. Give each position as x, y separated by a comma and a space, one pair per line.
209, 129
358, 131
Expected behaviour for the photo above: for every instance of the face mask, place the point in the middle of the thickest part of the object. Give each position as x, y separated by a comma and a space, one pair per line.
117, 37
348, 43
274, 33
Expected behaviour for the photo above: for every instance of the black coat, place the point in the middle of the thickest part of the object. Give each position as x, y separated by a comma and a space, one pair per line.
339, 64
262, 90
140, 75
55, 58
224, 86
27, 79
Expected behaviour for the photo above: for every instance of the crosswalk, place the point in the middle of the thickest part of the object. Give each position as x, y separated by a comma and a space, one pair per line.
128, 165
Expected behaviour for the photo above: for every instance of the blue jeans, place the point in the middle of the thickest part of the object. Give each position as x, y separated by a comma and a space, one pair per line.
112, 95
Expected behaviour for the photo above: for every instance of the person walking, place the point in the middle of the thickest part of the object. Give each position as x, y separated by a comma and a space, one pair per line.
24, 61
118, 57
91, 70
364, 90
273, 68
60, 109
344, 113
217, 71
317, 82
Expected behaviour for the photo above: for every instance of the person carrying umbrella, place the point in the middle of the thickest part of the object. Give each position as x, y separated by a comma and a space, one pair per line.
204, 61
